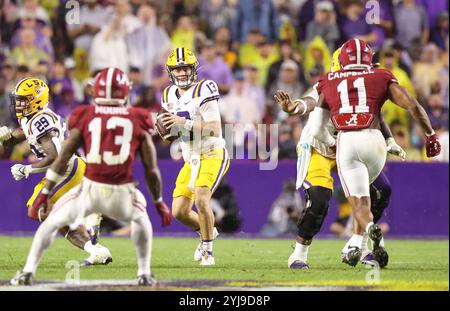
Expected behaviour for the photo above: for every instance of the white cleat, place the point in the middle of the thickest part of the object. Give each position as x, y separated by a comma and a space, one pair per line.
101, 256
295, 263
207, 259
198, 251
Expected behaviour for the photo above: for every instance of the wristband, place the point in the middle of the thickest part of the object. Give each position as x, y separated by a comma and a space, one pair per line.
297, 109
429, 135
51, 175
157, 201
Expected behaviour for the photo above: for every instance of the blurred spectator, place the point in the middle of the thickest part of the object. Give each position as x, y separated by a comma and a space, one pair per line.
67, 103
5, 114
240, 109
305, 16
42, 34
411, 22
286, 52
426, 71
324, 25
437, 111
353, 23
284, 213
383, 29
92, 17
254, 90
22, 72
439, 33
317, 55
288, 82
401, 136
33, 7
222, 41
109, 48
266, 56
57, 82
148, 44
137, 87
259, 14
213, 67
184, 34
88, 92
286, 144
129, 22
217, 14
433, 9
248, 49
8, 71
27, 54
389, 60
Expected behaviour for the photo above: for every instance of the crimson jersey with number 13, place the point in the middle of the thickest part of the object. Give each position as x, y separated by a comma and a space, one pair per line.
355, 97
111, 137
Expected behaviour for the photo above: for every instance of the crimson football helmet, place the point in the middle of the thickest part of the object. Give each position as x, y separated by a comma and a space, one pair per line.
111, 87
355, 54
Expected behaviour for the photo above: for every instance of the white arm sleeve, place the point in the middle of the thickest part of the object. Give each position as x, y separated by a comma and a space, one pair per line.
319, 118
210, 111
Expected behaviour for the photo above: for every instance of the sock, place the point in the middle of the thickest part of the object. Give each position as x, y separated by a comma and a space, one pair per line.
42, 240
208, 246
355, 240
142, 236
301, 251
365, 239
382, 242
368, 226
89, 247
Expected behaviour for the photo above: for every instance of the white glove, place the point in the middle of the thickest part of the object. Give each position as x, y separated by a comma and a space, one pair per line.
5, 134
395, 149
20, 171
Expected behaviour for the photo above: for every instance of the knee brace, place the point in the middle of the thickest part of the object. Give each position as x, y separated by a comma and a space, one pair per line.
380, 194
311, 220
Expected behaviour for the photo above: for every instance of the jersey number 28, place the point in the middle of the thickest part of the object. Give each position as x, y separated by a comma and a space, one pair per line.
124, 141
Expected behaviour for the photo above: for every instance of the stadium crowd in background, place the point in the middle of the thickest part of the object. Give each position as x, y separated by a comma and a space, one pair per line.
250, 48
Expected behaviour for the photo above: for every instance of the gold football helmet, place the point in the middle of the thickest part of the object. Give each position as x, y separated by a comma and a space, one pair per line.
335, 62
182, 57
29, 96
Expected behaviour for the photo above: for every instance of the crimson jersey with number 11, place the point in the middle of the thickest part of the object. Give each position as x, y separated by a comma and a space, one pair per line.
354, 97
111, 137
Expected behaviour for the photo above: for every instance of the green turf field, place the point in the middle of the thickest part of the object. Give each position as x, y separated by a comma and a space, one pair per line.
414, 265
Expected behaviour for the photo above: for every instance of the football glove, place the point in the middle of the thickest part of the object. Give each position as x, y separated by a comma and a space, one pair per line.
395, 149
20, 171
164, 212
433, 146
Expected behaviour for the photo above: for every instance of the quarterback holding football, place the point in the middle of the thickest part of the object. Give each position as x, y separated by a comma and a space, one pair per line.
191, 115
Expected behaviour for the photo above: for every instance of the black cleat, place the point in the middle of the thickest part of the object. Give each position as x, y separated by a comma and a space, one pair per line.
22, 278
352, 257
378, 252
146, 280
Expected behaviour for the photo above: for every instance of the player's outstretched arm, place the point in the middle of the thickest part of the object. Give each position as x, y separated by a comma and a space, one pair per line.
153, 177
401, 97
319, 117
294, 107
50, 145
9, 138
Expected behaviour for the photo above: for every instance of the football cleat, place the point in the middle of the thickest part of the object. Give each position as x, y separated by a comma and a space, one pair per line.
298, 264
352, 257
101, 256
380, 254
198, 251
207, 259
369, 259
22, 278
146, 280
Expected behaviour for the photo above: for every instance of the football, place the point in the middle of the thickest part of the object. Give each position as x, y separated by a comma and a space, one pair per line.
164, 132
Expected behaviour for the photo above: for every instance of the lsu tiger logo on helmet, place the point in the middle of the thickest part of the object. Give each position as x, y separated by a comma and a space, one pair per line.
30, 96
182, 57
